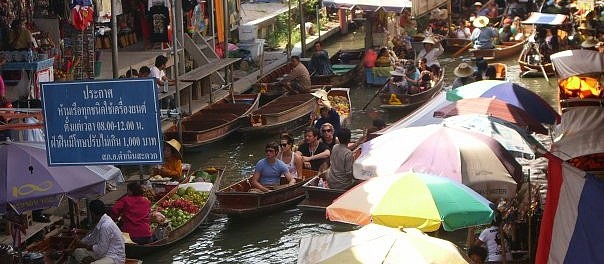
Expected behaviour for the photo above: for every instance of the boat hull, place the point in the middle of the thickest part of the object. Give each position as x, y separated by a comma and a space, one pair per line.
285, 113
317, 198
504, 51
410, 102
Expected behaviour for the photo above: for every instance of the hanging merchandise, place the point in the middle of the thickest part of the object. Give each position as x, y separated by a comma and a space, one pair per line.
160, 19
74, 3
82, 17
200, 17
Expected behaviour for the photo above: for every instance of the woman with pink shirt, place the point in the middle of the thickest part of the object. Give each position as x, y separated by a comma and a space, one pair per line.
134, 209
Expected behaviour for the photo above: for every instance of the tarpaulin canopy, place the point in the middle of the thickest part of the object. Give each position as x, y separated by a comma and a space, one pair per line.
537, 18
580, 133
396, 6
573, 62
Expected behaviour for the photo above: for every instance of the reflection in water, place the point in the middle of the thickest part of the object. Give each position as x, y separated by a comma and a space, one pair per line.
274, 238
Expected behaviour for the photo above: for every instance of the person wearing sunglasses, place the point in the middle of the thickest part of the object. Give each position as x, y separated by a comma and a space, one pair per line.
327, 135
314, 153
292, 160
340, 175
268, 171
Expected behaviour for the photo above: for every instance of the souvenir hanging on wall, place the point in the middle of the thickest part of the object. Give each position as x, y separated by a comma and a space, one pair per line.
82, 17
160, 19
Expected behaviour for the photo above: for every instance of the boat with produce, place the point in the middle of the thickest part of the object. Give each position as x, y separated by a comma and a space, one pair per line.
340, 101
216, 121
184, 208
408, 102
345, 64
500, 52
239, 200
286, 113
317, 197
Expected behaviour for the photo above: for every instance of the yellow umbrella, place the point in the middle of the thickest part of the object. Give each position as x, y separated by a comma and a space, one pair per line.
378, 244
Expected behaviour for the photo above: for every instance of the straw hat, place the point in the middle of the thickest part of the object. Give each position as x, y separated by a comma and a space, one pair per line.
322, 94
429, 40
175, 145
590, 42
477, 3
480, 22
463, 70
399, 71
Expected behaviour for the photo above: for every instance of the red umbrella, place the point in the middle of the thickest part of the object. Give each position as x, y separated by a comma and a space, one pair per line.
492, 107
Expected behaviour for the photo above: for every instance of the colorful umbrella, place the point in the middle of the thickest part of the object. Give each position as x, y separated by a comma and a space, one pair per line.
412, 199
378, 244
28, 183
475, 160
510, 93
492, 107
511, 137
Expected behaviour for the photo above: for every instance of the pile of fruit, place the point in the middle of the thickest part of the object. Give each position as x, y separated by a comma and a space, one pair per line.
340, 104
182, 206
176, 216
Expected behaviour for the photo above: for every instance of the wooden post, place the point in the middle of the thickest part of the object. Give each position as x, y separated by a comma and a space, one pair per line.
289, 35
114, 56
302, 28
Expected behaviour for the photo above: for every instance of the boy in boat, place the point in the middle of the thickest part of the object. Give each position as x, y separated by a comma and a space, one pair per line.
339, 175
267, 174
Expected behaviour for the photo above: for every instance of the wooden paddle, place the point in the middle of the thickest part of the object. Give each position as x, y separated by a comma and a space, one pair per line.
374, 96
462, 50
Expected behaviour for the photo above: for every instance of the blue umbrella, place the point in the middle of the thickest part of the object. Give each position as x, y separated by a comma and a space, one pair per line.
510, 93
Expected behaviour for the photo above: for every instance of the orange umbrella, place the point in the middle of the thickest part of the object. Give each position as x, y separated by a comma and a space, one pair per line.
492, 107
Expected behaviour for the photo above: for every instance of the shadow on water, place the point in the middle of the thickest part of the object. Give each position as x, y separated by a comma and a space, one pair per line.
274, 238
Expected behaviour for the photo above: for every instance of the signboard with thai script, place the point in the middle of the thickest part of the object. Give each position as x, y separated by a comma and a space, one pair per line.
102, 122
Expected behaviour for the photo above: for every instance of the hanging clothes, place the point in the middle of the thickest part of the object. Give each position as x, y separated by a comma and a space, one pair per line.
152, 3
160, 19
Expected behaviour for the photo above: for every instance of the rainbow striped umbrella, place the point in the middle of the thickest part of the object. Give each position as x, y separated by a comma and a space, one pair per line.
412, 199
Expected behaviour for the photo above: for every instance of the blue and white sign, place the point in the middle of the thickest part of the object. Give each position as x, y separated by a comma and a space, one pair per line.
102, 122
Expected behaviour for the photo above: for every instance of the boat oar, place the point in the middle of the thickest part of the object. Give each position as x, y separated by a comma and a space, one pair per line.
544, 74
374, 96
462, 50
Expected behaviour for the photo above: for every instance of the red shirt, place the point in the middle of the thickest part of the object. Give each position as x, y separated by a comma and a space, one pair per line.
134, 211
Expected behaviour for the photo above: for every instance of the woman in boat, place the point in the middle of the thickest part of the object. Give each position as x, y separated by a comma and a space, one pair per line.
134, 209
172, 166
292, 160
430, 51
463, 73
483, 35
269, 170
383, 59
340, 175
319, 62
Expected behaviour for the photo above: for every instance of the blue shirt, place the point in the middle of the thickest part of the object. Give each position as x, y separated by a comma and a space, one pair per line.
270, 174
332, 117
482, 37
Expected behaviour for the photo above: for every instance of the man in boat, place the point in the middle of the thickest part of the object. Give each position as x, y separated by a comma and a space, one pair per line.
298, 80
104, 244
430, 51
339, 175
327, 114
269, 170
328, 135
314, 153
172, 166
483, 35
463, 73
319, 62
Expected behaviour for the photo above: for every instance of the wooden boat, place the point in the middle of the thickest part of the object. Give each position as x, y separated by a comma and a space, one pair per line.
452, 45
503, 51
175, 235
412, 101
216, 121
318, 198
346, 65
236, 200
285, 113
340, 101
529, 67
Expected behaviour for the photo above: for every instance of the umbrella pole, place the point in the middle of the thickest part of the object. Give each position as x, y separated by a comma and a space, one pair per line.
72, 219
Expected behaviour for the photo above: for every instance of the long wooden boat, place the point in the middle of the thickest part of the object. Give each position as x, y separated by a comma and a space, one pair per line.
452, 45
285, 113
412, 101
236, 200
340, 101
528, 69
503, 51
346, 65
175, 235
318, 198
216, 121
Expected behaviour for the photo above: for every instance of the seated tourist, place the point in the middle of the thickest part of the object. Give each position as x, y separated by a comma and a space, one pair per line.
172, 166
292, 160
340, 175
314, 153
268, 171
327, 135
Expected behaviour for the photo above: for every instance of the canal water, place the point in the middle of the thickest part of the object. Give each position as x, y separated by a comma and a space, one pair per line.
274, 238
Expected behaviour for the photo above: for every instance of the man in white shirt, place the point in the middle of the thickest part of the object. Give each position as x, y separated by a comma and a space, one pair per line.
157, 72
431, 50
104, 244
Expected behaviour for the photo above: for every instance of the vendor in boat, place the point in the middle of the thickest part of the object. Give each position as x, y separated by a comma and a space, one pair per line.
268, 171
383, 59
172, 166
483, 34
315, 154
133, 210
328, 135
430, 51
339, 175
292, 160
104, 243
319, 62
327, 114
298, 80
463, 73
